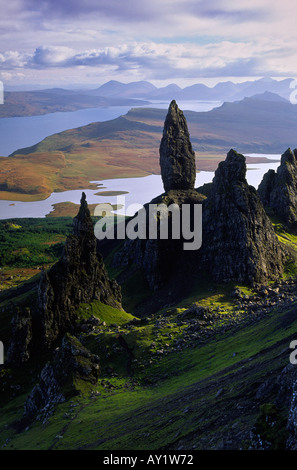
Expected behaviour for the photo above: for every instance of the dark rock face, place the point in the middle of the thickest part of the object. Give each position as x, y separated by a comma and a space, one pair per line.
278, 190
239, 242
19, 350
160, 258
71, 362
78, 277
287, 396
177, 158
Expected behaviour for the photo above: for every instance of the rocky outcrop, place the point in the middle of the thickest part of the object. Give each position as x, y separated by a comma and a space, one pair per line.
160, 258
287, 396
19, 349
78, 277
278, 190
239, 242
177, 158
60, 378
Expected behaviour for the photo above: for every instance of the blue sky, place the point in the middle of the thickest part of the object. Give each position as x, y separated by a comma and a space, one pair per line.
88, 42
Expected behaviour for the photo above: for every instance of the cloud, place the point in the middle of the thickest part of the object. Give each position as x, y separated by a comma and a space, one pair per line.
52, 56
13, 59
150, 40
162, 61
131, 10
227, 11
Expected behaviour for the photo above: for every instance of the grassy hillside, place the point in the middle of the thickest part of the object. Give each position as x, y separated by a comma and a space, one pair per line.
28, 244
129, 146
185, 380
35, 103
197, 393
117, 148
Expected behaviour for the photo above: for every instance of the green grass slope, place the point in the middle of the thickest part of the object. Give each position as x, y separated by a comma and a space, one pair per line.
194, 398
172, 379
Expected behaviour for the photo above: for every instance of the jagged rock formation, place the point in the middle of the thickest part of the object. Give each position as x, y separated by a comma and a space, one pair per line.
160, 258
239, 242
278, 190
78, 277
280, 419
72, 362
177, 158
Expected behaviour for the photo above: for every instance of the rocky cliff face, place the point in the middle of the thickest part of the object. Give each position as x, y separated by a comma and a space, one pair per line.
71, 362
239, 242
278, 190
161, 258
78, 277
19, 350
238, 239
177, 158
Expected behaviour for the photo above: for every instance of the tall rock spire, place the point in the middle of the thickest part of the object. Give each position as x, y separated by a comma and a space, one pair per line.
177, 158
78, 277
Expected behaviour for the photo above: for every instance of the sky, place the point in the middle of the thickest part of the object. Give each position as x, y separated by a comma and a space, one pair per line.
72, 43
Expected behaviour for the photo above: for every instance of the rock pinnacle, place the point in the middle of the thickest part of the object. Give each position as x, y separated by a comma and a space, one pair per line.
177, 158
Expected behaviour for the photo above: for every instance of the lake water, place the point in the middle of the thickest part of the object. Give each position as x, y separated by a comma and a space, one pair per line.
140, 191
25, 131
20, 132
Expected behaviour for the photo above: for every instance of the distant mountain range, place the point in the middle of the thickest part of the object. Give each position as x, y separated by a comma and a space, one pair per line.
223, 91
114, 93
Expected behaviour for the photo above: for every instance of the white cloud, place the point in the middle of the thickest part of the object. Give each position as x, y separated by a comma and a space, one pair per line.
13, 59
52, 55
157, 39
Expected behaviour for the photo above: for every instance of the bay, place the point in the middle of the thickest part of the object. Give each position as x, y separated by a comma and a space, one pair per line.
140, 191
20, 132
25, 131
